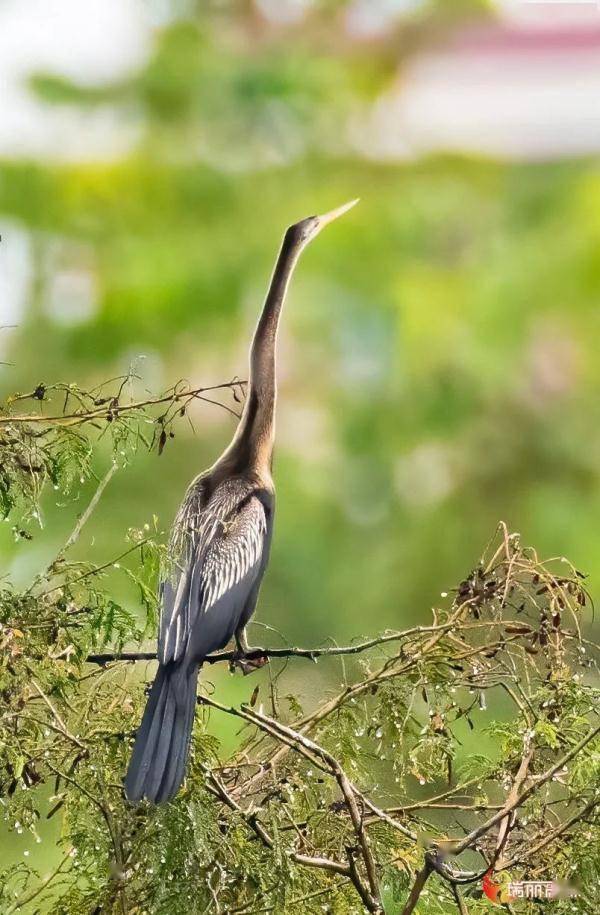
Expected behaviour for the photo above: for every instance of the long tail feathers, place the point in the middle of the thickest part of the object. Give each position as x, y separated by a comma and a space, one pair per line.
162, 745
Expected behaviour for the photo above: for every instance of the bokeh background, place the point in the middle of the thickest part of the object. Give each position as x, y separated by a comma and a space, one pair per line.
439, 351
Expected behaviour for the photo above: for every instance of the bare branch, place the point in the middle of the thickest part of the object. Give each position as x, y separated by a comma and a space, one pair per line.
418, 887
111, 410
312, 654
535, 785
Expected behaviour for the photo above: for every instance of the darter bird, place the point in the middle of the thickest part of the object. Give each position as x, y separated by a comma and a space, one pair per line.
219, 550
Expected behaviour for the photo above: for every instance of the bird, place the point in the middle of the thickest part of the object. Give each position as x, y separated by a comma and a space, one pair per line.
218, 552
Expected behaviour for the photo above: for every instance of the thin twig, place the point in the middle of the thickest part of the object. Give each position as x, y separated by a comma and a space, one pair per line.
34, 893
251, 818
460, 902
418, 886
114, 409
521, 798
311, 654
61, 725
81, 521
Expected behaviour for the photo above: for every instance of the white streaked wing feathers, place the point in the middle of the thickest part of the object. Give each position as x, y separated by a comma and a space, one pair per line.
213, 550
231, 556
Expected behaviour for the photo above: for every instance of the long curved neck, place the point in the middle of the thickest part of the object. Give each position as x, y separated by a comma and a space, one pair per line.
252, 445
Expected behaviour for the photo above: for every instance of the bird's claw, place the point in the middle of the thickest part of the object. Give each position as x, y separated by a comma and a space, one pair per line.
248, 662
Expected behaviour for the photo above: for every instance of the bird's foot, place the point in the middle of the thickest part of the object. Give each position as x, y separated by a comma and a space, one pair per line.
248, 660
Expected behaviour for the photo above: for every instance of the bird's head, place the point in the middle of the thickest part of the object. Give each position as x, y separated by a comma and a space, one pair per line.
301, 233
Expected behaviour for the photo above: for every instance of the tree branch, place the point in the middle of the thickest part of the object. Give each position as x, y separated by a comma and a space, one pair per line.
521, 798
114, 409
418, 886
312, 654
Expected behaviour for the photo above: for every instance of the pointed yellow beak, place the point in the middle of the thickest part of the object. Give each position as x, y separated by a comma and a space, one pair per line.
326, 218
304, 231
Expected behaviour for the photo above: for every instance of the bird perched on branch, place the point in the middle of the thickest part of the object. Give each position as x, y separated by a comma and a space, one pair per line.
219, 551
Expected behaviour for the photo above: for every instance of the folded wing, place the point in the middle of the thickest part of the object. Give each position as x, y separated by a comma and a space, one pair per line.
214, 571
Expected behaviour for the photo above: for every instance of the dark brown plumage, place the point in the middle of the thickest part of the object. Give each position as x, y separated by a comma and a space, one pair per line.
219, 550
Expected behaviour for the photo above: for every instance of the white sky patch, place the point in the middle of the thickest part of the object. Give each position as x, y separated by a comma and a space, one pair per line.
93, 42
72, 296
283, 12
507, 95
14, 272
372, 18
14, 283
549, 13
